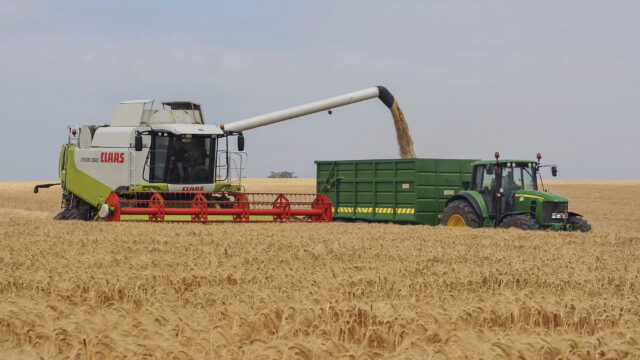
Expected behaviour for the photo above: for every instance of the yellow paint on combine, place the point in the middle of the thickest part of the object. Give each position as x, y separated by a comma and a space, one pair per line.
345, 209
364, 209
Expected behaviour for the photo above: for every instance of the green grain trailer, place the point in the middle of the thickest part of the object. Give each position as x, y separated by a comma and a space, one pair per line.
398, 190
451, 192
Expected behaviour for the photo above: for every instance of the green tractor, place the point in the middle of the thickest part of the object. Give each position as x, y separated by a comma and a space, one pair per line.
505, 194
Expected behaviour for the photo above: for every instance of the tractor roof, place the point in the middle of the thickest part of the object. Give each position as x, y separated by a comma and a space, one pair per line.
501, 161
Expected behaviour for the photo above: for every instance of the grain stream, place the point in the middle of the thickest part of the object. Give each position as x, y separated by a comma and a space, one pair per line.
405, 142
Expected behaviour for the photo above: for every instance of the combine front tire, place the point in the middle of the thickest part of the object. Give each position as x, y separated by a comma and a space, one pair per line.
70, 214
522, 222
459, 213
578, 223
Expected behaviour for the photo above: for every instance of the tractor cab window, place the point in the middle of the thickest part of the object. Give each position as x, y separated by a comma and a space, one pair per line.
484, 182
529, 178
511, 180
484, 179
518, 177
191, 160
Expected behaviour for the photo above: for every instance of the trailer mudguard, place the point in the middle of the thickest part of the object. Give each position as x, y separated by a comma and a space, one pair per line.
475, 199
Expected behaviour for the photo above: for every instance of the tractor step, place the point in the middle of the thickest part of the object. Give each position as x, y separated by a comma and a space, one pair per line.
217, 207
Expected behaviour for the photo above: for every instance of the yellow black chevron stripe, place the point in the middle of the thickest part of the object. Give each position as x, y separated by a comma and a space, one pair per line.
404, 210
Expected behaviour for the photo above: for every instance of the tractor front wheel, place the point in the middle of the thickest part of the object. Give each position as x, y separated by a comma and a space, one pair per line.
522, 222
578, 223
459, 213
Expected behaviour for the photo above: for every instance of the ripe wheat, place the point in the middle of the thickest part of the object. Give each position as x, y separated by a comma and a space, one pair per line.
114, 290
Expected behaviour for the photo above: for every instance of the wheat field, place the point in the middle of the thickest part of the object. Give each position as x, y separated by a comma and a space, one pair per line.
87, 290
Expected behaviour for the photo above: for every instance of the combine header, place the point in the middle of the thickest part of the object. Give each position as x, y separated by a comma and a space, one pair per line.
168, 165
203, 208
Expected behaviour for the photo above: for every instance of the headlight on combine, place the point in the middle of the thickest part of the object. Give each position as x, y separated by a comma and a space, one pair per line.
558, 215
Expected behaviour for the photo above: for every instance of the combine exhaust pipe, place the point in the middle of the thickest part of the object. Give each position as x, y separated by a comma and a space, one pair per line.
311, 108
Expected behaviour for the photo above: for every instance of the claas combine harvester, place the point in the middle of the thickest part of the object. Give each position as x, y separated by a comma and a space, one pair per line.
168, 165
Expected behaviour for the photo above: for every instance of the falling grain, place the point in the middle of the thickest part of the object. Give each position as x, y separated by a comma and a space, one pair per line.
405, 142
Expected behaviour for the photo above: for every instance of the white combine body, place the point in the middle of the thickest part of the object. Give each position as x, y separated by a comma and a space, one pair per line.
108, 153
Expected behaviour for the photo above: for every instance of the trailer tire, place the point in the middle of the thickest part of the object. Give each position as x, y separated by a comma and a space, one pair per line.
459, 213
578, 223
522, 222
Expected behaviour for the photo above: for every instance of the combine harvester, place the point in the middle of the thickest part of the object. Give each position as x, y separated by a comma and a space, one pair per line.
168, 165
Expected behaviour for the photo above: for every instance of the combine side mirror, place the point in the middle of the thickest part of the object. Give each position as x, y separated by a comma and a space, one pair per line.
465, 185
554, 171
138, 142
240, 142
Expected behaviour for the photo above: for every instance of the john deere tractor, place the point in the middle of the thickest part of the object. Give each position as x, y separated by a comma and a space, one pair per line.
504, 193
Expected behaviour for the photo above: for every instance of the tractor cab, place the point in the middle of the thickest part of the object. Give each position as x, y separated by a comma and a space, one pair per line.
499, 181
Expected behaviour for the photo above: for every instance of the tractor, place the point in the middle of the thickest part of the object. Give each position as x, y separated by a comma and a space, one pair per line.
505, 194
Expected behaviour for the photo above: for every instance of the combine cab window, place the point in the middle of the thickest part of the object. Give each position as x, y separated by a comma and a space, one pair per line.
158, 158
181, 159
191, 160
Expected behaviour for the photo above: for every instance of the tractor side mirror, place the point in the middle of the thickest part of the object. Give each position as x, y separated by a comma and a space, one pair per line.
138, 142
465, 185
554, 171
240, 142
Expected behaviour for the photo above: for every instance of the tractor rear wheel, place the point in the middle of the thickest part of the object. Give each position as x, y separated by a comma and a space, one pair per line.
522, 222
459, 213
578, 223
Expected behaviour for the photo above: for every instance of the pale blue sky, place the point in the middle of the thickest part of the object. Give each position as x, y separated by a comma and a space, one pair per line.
557, 77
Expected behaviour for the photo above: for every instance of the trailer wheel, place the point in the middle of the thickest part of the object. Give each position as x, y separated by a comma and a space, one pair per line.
578, 223
522, 222
459, 213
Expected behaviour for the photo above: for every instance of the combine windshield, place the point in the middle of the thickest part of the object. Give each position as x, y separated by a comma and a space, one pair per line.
182, 159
